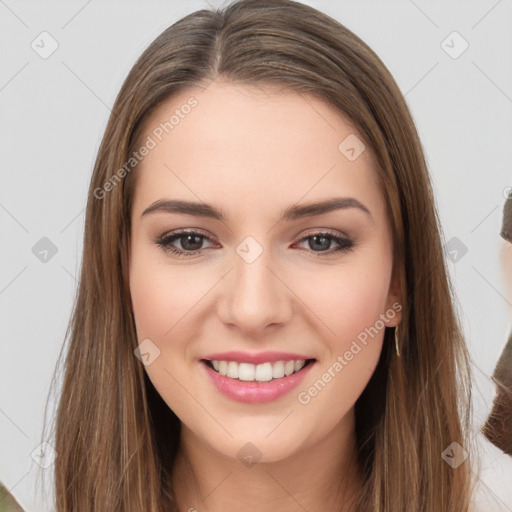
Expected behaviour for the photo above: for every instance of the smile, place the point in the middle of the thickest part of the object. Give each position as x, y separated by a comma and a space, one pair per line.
258, 381
260, 373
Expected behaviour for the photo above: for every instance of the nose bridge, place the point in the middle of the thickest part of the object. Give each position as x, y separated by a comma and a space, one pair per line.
254, 295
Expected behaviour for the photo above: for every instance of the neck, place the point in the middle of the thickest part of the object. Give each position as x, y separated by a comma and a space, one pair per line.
322, 476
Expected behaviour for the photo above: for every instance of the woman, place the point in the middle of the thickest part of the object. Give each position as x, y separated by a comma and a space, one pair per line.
264, 317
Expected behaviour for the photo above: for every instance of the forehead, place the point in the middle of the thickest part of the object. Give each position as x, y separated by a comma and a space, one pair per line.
252, 147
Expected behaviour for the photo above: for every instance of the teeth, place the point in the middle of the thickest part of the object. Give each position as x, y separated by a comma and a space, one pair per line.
232, 370
257, 372
245, 371
263, 372
289, 367
278, 370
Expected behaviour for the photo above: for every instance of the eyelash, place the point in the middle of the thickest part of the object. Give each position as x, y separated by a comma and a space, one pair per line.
164, 241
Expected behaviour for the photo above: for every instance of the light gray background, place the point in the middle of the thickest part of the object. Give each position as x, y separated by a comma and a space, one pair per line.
54, 112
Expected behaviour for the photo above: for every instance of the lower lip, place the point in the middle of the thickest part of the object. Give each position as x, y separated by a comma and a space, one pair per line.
256, 392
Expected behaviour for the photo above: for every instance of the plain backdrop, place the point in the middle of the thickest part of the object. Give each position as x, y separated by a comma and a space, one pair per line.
452, 60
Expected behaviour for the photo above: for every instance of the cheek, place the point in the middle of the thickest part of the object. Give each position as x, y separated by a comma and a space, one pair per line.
161, 294
354, 315
353, 311
348, 301
161, 300
155, 304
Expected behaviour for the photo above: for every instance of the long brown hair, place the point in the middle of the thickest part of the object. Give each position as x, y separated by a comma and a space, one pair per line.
115, 437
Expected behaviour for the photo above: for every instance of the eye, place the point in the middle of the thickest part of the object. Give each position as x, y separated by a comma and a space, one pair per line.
191, 242
323, 240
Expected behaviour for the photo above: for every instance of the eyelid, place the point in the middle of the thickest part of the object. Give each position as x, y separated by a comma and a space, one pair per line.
327, 231
185, 231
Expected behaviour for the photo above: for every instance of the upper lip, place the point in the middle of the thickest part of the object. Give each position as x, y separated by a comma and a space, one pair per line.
256, 358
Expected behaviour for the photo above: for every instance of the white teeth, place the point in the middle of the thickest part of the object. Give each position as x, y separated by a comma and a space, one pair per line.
263, 372
257, 372
278, 370
223, 367
232, 370
246, 371
289, 367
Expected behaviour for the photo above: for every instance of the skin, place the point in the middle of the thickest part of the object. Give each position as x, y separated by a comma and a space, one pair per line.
252, 152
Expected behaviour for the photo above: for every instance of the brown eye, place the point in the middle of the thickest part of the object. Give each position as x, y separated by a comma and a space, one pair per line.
190, 242
321, 242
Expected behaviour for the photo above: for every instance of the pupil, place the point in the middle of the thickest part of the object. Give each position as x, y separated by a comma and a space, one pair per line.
191, 237
325, 245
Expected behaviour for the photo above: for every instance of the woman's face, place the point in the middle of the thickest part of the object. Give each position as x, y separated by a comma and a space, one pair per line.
264, 283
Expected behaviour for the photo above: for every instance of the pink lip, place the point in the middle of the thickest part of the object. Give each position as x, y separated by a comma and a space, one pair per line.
256, 392
259, 358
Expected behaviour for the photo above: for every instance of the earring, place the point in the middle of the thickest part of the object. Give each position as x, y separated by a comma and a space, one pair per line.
396, 342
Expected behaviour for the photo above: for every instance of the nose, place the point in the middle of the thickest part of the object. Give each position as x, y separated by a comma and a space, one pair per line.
255, 296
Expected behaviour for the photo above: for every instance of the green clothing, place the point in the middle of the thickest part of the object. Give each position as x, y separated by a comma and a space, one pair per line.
7, 502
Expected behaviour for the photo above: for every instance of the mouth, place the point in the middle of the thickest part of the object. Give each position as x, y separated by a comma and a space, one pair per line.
256, 383
263, 372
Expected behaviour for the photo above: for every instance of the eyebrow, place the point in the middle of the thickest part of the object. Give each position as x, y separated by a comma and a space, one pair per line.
291, 213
